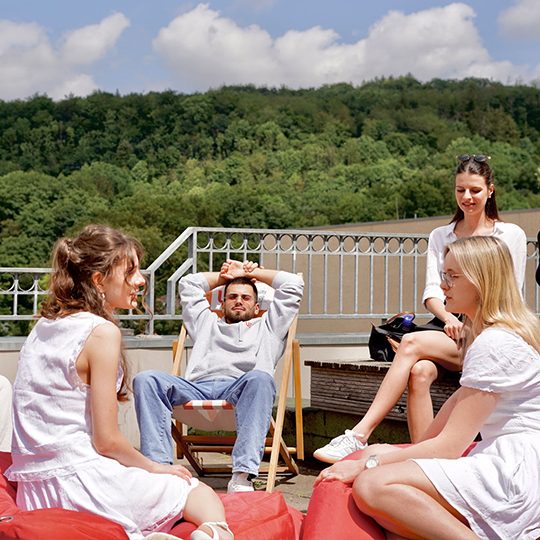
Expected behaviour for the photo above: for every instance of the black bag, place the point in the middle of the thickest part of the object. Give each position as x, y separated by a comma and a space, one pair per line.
384, 339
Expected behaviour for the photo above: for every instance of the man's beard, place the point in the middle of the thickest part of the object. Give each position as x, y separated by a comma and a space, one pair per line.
237, 316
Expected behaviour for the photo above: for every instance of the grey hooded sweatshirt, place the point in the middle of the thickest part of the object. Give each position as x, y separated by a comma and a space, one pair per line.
230, 350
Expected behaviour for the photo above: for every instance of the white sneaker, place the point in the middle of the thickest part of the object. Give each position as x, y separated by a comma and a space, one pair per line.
239, 487
340, 447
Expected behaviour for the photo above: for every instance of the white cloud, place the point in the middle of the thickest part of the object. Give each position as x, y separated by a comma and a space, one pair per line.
30, 64
204, 49
90, 43
521, 21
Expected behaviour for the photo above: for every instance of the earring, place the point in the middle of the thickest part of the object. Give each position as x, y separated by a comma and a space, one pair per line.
102, 294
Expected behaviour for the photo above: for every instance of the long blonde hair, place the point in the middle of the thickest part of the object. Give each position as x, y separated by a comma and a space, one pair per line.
486, 262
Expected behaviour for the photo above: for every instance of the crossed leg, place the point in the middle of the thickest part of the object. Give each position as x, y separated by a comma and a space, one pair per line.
426, 345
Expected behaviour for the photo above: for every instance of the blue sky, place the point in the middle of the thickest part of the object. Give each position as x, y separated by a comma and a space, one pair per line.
58, 47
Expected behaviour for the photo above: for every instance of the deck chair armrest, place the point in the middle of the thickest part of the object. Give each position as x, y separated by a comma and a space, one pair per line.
178, 350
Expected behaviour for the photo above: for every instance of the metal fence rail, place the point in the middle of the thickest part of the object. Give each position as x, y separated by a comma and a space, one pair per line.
347, 275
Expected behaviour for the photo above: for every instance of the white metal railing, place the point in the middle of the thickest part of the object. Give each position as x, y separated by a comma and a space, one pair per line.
347, 275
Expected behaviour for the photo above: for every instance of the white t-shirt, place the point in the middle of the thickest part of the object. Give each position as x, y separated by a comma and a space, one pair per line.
511, 234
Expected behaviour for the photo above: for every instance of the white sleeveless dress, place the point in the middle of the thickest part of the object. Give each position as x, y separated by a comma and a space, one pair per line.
54, 461
497, 486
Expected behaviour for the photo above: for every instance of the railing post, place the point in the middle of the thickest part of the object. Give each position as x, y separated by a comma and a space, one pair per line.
151, 302
192, 249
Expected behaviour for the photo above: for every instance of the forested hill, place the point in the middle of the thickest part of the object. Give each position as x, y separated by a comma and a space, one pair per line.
156, 163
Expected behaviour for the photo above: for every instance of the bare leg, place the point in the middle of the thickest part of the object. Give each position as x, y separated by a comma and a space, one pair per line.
204, 505
419, 404
428, 345
400, 496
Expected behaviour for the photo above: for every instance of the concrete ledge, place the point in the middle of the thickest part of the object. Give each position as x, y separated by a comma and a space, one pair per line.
14, 343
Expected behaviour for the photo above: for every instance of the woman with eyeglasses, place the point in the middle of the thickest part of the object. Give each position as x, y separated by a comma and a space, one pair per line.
420, 353
428, 490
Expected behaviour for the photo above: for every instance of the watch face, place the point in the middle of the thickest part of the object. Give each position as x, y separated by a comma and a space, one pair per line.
371, 462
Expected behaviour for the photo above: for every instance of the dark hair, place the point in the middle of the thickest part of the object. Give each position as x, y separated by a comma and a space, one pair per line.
471, 166
244, 280
98, 248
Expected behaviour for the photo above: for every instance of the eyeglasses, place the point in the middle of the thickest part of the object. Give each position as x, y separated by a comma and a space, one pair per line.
479, 158
232, 297
449, 279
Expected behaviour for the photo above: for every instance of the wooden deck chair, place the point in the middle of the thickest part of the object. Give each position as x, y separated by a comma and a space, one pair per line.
218, 415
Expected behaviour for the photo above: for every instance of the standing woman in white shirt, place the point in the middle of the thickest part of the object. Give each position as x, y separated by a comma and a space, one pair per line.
419, 353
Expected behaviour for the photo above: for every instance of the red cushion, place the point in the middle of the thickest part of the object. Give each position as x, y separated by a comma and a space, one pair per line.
8, 490
50, 523
260, 515
60, 524
332, 512
255, 515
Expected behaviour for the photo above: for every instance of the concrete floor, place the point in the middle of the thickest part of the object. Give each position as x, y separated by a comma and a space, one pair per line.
296, 490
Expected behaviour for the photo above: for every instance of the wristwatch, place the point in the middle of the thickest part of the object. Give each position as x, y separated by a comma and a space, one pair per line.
372, 462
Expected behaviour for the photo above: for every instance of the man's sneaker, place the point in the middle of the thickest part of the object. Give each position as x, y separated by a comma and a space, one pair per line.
239, 487
340, 447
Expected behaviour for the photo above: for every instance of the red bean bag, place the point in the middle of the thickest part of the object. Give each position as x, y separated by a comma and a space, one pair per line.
260, 515
255, 515
49, 524
332, 513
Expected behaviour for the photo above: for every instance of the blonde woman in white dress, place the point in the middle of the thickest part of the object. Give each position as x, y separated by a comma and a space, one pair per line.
427, 490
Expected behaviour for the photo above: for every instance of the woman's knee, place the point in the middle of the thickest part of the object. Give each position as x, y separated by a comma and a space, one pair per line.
409, 347
366, 491
422, 375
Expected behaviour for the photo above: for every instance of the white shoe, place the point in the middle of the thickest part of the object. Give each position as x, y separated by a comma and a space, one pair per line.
239, 487
212, 525
340, 447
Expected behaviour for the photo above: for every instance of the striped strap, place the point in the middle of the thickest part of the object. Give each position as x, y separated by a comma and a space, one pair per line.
207, 405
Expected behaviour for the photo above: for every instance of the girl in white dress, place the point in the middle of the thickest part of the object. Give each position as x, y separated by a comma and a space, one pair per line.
419, 353
427, 490
67, 449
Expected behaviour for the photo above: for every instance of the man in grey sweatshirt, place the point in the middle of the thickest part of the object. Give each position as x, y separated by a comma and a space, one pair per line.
233, 358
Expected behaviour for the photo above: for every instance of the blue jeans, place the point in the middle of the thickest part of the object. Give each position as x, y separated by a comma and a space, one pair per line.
252, 395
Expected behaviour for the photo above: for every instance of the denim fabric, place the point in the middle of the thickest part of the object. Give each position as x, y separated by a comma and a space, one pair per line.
252, 395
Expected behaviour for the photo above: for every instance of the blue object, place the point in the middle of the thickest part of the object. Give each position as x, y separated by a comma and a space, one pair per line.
407, 321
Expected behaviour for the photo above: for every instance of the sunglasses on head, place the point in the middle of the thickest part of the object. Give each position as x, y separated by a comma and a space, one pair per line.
479, 158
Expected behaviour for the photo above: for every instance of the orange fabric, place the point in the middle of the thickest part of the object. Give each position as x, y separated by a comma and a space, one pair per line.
255, 515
